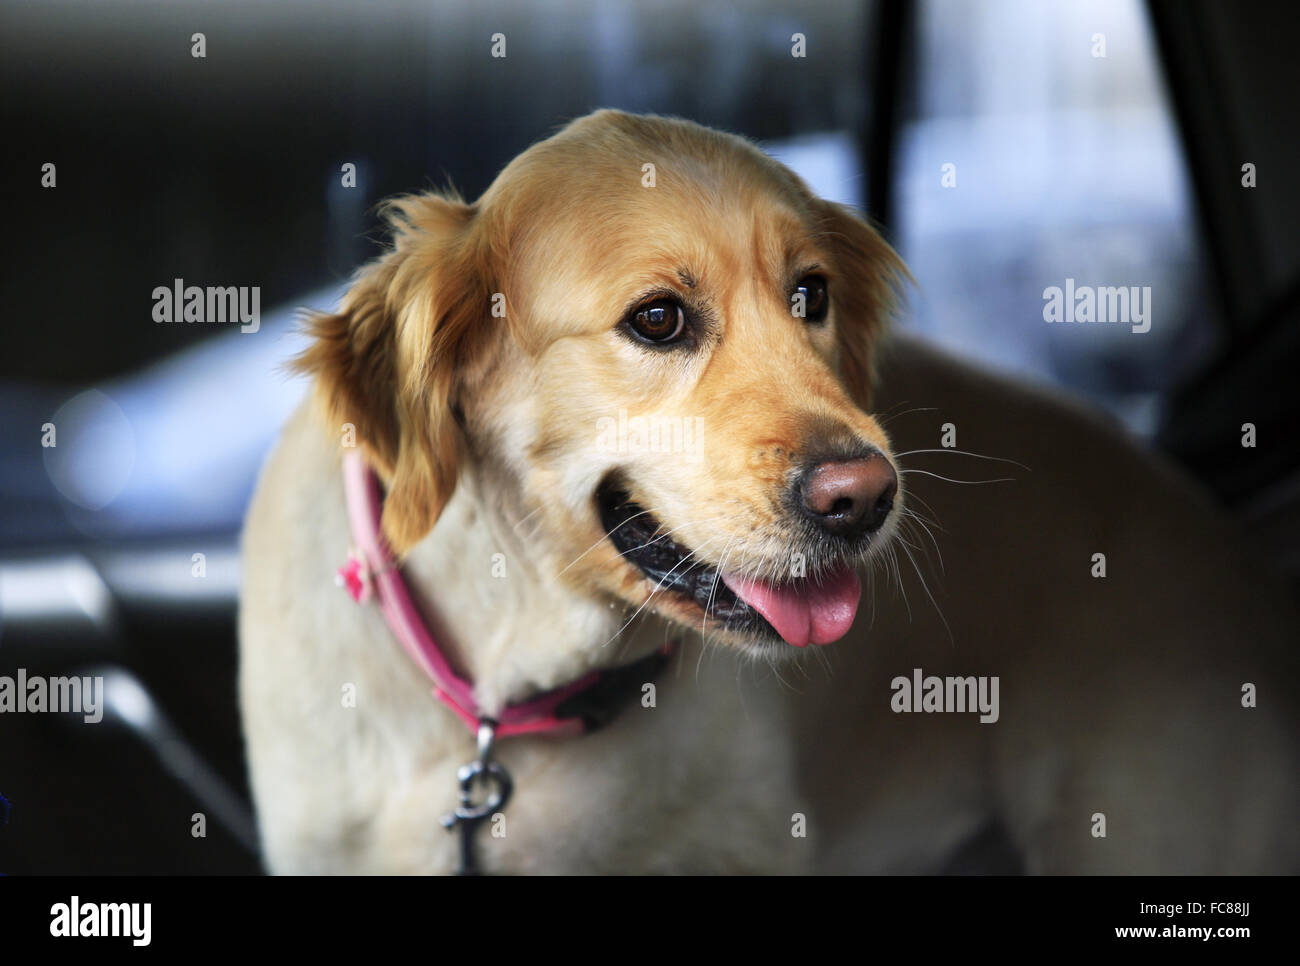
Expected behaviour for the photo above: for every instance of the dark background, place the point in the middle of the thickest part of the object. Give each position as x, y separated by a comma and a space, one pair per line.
225, 171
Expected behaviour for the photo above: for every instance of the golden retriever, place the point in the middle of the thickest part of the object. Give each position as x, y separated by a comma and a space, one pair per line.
627, 397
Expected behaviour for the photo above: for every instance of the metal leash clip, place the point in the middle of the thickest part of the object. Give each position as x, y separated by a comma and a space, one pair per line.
467, 816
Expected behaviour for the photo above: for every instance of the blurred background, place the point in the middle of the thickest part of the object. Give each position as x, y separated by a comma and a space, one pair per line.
1003, 146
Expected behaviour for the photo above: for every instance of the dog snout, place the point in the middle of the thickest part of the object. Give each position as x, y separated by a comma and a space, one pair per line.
849, 498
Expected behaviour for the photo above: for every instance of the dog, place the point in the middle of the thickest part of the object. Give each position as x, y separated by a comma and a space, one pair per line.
632, 405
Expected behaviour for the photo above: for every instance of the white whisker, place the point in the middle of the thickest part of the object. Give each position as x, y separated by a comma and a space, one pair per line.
1004, 479
963, 452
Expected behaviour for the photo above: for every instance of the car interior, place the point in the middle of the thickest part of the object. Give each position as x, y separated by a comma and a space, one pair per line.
1168, 161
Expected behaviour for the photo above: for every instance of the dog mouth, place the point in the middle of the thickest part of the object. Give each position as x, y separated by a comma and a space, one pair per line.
798, 611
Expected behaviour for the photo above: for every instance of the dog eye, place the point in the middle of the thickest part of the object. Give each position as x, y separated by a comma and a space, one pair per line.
660, 321
816, 301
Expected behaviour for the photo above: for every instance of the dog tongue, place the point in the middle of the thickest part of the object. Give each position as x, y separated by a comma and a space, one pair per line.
802, 611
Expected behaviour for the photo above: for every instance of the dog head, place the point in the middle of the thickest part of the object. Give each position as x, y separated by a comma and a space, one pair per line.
653, 347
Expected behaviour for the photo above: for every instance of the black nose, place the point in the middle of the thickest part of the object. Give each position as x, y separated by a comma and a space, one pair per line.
848, 498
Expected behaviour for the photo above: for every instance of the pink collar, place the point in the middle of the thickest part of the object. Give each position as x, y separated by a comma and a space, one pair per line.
371, 571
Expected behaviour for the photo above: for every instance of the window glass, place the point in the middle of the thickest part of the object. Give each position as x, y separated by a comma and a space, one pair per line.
1039, 155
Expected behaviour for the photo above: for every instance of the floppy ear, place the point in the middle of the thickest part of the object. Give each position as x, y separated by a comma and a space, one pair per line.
865, 301
388, 361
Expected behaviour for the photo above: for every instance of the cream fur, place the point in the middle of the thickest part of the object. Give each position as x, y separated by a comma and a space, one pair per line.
1119, 696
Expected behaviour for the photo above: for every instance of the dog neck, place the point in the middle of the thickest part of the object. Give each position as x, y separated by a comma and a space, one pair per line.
504, 622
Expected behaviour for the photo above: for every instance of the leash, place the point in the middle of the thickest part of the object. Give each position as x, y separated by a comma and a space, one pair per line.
580, 707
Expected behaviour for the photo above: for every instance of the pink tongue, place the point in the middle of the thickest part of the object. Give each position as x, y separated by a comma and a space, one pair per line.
802, 611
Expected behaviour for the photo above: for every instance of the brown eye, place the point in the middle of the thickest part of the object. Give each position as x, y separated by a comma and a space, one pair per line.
816, 301
659, 321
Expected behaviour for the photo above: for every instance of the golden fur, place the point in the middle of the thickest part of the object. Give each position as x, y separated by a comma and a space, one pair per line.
484, 427
414, 341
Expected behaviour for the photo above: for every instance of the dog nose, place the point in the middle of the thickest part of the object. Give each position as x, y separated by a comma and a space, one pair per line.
850, 497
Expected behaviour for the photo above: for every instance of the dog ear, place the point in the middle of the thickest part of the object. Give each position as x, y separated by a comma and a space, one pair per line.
388, 361
865, 300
